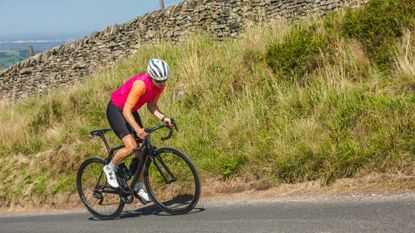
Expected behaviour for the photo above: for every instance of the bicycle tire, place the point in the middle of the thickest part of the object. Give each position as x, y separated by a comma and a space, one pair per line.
89, 202
169, 196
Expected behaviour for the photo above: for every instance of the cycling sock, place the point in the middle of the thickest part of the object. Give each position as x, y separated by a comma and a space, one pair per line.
112, 166
138, 186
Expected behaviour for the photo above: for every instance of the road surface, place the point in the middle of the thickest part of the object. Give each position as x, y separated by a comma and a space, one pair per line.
347, 214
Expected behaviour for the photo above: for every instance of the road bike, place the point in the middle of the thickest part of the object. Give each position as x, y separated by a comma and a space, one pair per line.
170, 178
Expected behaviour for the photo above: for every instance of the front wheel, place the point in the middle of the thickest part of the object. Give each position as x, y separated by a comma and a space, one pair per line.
98, 196
172, 181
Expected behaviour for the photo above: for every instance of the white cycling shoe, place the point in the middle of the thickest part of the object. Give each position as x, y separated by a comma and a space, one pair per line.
142, 193
111, 176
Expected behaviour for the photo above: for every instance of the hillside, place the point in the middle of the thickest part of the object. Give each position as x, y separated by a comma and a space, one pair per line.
63, 65
320, 99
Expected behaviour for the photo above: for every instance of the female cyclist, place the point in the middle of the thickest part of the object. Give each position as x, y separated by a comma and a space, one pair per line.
124, 119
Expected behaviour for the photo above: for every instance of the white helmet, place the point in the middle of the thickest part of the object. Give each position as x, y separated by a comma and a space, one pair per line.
158, 70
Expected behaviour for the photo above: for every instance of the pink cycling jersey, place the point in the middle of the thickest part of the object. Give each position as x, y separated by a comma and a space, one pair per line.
119, 97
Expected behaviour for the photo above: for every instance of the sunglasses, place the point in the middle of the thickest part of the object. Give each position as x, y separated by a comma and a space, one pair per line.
159, 82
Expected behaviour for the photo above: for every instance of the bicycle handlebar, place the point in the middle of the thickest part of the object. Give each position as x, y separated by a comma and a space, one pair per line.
164, 125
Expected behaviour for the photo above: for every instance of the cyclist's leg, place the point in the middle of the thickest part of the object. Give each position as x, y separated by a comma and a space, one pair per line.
142, 194
129, 145
111, 169
138, 154
123, 130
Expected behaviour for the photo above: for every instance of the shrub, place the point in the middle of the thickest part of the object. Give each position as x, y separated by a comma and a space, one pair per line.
231, 165
378, 24
298, 54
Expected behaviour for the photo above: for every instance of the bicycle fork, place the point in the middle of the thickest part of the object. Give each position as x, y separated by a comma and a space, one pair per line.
157, 160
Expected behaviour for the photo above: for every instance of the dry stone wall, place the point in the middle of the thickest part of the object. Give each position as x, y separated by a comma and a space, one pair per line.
74, 61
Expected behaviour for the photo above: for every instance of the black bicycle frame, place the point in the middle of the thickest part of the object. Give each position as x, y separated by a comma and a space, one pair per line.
149, 151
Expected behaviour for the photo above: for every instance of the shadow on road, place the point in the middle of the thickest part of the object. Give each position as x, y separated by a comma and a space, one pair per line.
153, 210
148, 210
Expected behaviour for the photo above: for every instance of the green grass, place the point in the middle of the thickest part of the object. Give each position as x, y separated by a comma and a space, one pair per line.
250, 110
378, 24
8, 53
8, 58
6, 62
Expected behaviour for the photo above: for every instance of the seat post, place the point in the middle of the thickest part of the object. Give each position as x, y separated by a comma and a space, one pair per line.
105, 142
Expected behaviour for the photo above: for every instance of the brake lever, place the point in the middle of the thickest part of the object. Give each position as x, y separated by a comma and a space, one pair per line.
175, 125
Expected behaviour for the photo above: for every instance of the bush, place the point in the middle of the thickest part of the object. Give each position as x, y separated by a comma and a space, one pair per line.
378, 24
298, 54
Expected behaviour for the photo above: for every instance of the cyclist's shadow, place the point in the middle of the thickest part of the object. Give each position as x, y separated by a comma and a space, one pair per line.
148, 210
152, 210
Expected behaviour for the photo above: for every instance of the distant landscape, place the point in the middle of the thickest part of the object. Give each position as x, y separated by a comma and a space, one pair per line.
10, 57
14, 48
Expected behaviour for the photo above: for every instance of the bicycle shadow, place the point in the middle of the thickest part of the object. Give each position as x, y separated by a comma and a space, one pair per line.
152, 210
146, 211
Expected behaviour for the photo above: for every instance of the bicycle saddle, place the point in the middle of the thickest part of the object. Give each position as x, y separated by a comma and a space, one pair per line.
99, 131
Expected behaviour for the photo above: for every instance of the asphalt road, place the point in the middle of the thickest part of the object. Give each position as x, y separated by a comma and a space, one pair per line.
369, 214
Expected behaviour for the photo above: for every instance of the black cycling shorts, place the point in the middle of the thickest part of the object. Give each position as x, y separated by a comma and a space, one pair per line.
118, 122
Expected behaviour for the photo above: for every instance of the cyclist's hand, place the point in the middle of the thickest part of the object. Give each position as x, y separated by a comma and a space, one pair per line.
168, 121
141, 133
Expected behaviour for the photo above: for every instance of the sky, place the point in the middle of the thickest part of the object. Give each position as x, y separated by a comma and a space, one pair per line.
49, 17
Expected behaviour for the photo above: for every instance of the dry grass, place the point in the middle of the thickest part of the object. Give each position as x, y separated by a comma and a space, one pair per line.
405, 61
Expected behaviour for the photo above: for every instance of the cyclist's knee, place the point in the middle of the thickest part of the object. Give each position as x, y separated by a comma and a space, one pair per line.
131, 146
129, 142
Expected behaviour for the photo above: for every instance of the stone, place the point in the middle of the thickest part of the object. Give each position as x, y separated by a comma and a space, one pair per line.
234, 25
25, 71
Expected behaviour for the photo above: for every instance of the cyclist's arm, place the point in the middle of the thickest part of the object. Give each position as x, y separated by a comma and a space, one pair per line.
153, 107
138, 89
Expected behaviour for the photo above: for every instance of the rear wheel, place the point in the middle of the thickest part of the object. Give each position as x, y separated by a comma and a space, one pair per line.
172, 181
98, 196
